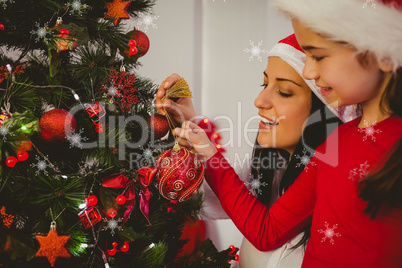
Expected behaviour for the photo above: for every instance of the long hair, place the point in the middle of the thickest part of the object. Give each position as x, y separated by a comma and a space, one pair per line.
384, 187
320, 124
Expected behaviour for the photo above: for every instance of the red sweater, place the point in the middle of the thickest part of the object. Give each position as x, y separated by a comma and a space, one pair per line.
341, 234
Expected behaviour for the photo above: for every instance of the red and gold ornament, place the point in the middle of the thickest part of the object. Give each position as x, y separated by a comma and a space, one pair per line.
117, 10
52, 245
158, 124
56, 124
179, 174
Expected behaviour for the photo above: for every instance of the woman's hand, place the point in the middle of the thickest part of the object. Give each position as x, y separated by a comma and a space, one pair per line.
195, 137
180, 109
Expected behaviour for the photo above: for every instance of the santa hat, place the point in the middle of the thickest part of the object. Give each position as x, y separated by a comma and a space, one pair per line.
368, 25
289, 51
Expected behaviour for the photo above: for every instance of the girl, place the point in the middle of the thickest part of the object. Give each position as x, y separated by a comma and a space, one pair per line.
354, 60
277, 159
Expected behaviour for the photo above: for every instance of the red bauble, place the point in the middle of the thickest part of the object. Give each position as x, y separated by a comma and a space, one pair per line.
11, 161
142, 44
159, 125
121, 199
92, 200
22, 156
56, 124
180, 174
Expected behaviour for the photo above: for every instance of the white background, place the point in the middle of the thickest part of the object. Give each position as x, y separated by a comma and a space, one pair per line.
204, 41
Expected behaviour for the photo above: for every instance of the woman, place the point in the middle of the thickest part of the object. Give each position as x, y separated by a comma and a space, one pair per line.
294, 121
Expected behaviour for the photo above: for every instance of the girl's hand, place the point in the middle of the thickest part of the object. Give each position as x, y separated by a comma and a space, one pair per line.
195, 136
180, 109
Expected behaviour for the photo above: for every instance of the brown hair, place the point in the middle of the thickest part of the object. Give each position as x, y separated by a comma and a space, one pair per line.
391, 99
384, 187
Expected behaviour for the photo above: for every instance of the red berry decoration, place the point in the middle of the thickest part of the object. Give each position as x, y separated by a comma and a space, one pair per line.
64, 32
121, 199
132, 43
125, 248
11, 161
92, 200
180, 174
22, 156
159, 125
133, 51
1, 27
112, 252
56, 124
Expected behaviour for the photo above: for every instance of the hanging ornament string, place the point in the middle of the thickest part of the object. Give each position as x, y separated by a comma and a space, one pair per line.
54, 219
179, 90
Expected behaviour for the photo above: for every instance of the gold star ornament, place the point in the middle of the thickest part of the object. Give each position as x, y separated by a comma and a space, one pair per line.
52, 245
117, 10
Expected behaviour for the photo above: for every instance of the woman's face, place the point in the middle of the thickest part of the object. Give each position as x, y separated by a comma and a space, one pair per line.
336, 70
284, 106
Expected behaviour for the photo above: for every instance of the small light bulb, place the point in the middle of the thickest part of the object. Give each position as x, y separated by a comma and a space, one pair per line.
83, 245
76, 97
64, 176
24, 128
152, 245
9, 68
83, 205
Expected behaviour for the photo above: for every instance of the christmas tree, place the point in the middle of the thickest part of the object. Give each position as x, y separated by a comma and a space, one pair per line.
80, 141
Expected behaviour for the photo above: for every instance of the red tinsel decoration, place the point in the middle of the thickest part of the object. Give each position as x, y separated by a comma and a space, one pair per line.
120, 88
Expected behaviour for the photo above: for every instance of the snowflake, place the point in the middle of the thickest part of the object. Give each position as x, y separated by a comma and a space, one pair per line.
4, 131
75, 139
121, 85
41, 32
41, 165
369, 2
304, 159
359, 172
76, 7
369, 131
329, 233
255, 184
147, 20
255, 50
112, 224
5, 3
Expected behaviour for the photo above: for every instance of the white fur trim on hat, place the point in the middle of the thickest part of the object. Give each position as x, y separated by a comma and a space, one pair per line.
378, 29
296, 59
